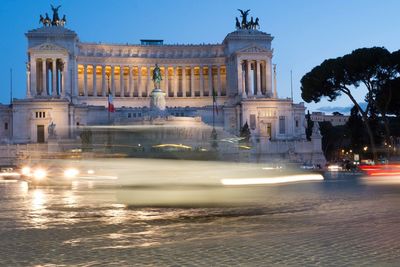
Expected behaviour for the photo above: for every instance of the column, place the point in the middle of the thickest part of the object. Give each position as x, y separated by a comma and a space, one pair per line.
130, 89
148, 83
184, 94
248, 78
219, 79
166, 81
210, 81
54, 77
241, 88
192, 91
94, 81
139, 81
74, 77
33, 77
85, 91
63, 77
103, 81
121, 81
201, 78
258, 77
28, 80
112, 80
44, 75
175, 81
268, 77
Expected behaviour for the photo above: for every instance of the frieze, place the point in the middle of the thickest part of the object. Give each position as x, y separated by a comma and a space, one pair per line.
165, 51
254, 49
48, 47
150, 61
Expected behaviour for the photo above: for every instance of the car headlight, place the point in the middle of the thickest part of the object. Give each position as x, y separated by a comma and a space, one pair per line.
26, 171
71, 173
39, 174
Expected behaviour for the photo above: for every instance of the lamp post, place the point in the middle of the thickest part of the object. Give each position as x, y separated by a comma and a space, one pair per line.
108, 111
109, 91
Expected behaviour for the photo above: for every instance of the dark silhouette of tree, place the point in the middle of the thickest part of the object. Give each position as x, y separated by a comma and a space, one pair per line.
370, 67
334, 139
245, 132
356, 127
214, 139
86, 138
309, 127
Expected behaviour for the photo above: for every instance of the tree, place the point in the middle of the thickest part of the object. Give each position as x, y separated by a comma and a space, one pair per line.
356, 130
86, 138
371, 67
334, 139
245, 133
310, 125
388, 97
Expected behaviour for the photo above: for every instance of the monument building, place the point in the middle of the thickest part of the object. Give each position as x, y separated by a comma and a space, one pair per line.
70, 84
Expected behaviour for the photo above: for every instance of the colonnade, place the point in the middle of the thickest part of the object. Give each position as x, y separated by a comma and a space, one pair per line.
47, 77
136, 81
254, 78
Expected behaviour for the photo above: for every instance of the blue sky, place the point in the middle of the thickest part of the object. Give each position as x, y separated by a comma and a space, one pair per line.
306, 32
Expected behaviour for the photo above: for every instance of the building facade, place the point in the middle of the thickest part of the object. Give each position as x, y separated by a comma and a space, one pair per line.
335, 119
68, 83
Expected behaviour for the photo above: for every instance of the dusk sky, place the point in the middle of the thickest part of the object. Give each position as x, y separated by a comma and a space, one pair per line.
305, 32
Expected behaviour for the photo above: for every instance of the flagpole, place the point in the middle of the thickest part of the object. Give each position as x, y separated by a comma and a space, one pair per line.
108, 108
11, 89
213, 117
291, 85
108, 113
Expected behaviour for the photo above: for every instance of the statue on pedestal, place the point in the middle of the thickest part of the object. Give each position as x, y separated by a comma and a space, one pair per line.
52, 130
56, 21
157, 100
56, 18
244, 18
157, 78
248, 25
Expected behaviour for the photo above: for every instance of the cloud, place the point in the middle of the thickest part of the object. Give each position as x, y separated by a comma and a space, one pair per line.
344, 110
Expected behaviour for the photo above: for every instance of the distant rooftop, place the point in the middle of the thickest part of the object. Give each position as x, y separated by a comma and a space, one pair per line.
151, 42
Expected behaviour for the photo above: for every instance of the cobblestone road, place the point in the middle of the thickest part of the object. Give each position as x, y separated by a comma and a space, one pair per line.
332, 223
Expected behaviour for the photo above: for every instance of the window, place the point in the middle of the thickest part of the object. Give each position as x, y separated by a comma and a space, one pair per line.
281, 124
40, 114
129, 115
297, 123
252, 121
6, 126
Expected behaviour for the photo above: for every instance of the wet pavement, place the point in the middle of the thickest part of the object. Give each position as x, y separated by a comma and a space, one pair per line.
328, 223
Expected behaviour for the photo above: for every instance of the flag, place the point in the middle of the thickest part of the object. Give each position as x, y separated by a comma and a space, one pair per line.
110, 103
215, 106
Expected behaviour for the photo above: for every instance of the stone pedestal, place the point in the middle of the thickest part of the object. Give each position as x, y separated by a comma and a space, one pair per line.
157, 103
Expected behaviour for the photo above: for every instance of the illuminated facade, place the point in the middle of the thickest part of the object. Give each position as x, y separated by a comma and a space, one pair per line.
68, 82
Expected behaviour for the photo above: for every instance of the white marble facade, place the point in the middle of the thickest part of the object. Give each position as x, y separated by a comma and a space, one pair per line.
68, 82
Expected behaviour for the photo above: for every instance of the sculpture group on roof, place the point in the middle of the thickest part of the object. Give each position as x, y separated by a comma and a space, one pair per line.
248, 25
56, 21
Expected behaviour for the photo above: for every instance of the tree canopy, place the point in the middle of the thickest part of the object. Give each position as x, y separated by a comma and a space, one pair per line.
375, 68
